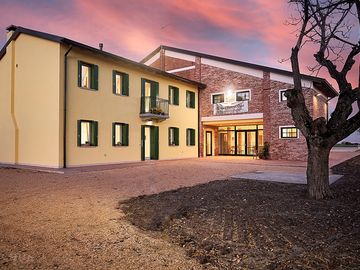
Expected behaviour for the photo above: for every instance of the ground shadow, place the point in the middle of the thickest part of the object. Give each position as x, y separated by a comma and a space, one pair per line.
238, 224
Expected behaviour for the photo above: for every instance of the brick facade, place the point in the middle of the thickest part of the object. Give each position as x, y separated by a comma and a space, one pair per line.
264, 99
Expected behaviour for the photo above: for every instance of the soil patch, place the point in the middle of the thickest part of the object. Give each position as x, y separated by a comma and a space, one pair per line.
237, 224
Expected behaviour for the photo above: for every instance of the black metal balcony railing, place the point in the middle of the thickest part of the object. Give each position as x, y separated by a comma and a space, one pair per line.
154, 108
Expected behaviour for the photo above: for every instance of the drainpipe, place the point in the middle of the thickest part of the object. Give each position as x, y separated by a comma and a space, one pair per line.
65, 104
199, 123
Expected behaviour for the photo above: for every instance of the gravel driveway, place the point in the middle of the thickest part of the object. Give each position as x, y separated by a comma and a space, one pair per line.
72, 220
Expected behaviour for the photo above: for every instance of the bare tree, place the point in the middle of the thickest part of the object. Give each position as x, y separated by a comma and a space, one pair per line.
332, 26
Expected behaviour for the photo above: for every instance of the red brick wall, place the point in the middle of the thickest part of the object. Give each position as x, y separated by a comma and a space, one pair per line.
264, 99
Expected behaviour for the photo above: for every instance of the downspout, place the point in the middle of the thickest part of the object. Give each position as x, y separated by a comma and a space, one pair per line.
199, 125
65, 105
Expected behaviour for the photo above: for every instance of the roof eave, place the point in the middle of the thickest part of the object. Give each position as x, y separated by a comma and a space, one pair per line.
18, 30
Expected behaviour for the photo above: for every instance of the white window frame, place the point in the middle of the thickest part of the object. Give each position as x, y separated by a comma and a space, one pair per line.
214, 94
243, 90
297, 132
280, 91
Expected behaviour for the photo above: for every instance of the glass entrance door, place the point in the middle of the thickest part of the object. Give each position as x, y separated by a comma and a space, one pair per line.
250, 143
241, 142
227, 143
208, 143
246, 142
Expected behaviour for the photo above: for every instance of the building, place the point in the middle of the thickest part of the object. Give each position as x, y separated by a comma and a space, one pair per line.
243, 104
63, 104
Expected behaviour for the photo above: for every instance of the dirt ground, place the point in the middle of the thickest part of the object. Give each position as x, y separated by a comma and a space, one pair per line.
243, 224
73, 220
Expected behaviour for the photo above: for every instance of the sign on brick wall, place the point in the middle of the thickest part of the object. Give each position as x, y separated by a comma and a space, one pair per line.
231, 107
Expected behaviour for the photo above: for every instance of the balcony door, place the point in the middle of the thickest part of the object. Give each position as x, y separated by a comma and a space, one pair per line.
149, 92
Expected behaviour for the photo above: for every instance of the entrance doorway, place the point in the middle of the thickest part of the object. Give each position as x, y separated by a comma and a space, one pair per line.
208, 143
246, 142
149, 142
240, 140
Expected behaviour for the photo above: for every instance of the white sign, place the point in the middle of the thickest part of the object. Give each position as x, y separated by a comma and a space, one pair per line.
231, 107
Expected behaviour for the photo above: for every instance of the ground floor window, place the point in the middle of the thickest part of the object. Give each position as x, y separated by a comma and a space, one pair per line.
288, 132
173, 136
190, 136
240, 140
87, 133
120, 133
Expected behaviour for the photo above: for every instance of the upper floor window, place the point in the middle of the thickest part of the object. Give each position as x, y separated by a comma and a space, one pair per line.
120, 134
190, 99
288, 132
243, 95
217, 98
173, 136
87, 133
120, 83
173, 95
88, 75
282, 96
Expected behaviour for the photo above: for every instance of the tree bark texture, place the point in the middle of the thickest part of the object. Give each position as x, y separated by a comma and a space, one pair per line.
318, 171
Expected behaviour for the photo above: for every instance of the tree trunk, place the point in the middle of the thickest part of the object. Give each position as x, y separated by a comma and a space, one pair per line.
318, 171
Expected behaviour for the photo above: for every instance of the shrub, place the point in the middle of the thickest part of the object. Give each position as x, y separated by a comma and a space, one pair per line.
265, 151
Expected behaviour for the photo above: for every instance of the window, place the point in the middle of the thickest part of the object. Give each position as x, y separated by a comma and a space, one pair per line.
288, 132
282, 96
217, 98
173, 136
120, 134
88, 75
87, 133
190, 99
242, 95
120, 83
190, 136
173, 95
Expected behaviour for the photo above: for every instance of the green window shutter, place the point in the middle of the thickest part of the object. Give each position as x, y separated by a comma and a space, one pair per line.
176, 96
192, 100
114, 81
142, 87
169, 137
142, 142
94, 133
95, 77
113, 133
79, 132
192, 138
155, 89
187, 136
79, 73
176, 136
125, 84
125, 134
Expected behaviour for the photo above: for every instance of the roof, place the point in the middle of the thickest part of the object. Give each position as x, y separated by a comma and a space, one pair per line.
19, 30
320, 83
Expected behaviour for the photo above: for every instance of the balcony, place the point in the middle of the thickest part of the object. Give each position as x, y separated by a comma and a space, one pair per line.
154, 109
235, 107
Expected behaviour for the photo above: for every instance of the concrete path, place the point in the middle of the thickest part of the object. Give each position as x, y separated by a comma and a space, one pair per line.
282, 177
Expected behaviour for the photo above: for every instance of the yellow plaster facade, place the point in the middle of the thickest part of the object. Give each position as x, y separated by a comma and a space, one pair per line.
32, 107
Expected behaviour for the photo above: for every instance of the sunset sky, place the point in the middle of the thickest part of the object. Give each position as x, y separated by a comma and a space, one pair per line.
247, 30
